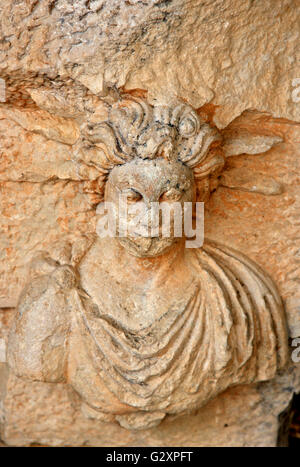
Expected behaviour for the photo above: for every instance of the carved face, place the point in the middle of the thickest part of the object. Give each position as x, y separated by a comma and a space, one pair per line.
142, 182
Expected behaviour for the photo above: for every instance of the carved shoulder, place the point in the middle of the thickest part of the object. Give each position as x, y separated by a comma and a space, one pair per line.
38, 339
248, 314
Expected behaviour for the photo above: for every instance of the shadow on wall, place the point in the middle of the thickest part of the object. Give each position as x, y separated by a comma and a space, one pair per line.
294, 431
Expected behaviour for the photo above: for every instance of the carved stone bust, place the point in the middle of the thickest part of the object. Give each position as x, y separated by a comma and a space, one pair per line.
142, 327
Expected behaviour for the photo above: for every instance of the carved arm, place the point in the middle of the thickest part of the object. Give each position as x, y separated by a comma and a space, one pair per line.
38, 342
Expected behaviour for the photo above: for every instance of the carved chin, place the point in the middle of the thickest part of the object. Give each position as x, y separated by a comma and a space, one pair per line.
147, 247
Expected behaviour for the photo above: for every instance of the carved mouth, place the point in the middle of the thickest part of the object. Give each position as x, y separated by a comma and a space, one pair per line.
147, 246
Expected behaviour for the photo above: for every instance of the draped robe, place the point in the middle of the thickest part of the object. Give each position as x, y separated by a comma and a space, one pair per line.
229, 330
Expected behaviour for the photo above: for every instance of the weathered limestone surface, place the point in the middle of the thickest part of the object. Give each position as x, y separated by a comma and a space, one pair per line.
51, 414
235, 55
236, 63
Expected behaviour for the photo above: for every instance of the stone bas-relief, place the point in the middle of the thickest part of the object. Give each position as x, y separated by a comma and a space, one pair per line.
141, 327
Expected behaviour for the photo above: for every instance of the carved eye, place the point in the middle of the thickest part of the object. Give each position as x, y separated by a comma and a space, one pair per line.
171, 195
188, 126
131, 195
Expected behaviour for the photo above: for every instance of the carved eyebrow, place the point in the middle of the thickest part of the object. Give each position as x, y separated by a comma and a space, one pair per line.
134, 190
128, 188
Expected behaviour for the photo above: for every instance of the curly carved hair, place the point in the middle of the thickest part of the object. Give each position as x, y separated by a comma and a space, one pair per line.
135, 129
